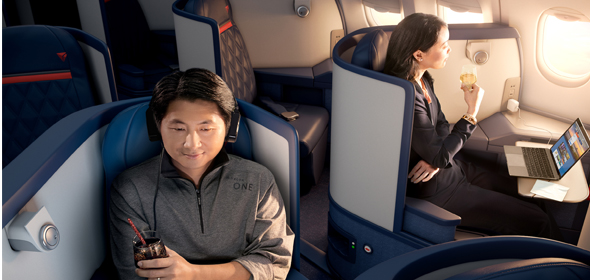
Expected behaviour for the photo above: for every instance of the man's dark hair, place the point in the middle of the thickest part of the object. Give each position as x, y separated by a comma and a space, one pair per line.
415, 32
191, 85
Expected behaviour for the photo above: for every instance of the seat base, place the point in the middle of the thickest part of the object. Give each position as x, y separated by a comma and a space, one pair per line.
312, 166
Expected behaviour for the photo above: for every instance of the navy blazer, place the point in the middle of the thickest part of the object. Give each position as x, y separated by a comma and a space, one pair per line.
434, 143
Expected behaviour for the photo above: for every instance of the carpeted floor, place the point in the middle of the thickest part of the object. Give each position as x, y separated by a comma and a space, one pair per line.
314, 223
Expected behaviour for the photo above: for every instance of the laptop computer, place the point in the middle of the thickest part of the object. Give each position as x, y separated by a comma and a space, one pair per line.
552, 163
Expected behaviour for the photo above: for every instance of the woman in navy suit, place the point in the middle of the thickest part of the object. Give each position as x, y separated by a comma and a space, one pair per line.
484, 200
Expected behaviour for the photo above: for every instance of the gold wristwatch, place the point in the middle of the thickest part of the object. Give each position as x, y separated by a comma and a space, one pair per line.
471, 119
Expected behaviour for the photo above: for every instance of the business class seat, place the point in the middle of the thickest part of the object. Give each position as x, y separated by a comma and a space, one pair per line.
141, 57
371, 219
48, 73
501, 257
262, 137
62, 173
215, 42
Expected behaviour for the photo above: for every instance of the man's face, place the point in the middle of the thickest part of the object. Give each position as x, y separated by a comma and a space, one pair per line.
193, 134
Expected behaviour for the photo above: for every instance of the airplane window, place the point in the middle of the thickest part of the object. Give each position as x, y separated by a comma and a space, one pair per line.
385, 18
450, 16
561, 33
382, 12
460, 11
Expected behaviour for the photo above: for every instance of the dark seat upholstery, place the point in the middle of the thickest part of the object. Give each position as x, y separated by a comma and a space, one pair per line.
237, 72
505, 257
43, 80
554, 268
371, 51
140, 57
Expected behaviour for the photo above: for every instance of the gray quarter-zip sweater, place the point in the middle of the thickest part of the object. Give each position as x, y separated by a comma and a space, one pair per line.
236, 215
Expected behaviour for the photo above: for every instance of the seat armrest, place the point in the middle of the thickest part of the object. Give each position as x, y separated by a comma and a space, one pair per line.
322, 73
428, 221
295, 76
131, 70
131, 76
431, 212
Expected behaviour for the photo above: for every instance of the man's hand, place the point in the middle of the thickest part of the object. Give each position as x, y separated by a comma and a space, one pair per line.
422, 172
176, 267
173, 267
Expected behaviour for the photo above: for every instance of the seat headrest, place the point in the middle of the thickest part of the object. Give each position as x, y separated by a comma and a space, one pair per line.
126, 142
40, 48
371, 50
43, 80
219, 10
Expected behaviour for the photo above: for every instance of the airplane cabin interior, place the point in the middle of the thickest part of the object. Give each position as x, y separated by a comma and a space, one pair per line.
319, 110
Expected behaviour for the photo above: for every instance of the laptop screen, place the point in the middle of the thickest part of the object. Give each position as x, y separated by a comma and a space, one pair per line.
570, 147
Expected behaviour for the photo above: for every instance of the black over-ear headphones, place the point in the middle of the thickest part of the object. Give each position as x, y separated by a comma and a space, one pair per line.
232, 130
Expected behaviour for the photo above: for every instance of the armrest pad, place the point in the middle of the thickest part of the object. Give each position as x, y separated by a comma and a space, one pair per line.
431, 212
296, 76
165, 36
322, 72
130, 70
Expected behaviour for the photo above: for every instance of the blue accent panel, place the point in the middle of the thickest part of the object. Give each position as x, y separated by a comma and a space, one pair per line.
417, 263
431, 212
27, 173
475, 31
399, 236
286, 130
178, 7
343, 45
299, 76
101, 47
384, 243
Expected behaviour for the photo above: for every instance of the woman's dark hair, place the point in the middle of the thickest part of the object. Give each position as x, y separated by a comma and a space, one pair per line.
415, 32
193, 84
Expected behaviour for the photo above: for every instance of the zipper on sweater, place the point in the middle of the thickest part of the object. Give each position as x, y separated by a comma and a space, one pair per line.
200, 210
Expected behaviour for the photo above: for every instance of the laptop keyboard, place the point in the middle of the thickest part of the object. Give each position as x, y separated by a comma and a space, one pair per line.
536, 162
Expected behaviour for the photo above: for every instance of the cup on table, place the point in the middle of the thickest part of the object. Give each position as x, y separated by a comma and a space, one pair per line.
153, 249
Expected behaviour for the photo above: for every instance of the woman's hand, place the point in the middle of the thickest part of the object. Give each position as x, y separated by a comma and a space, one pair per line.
473, 98
422, 172
173, 267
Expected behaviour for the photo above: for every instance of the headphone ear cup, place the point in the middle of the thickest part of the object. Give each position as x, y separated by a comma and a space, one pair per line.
152, 127
234, 126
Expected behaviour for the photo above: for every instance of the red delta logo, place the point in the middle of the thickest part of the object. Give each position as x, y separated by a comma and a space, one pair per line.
62, 56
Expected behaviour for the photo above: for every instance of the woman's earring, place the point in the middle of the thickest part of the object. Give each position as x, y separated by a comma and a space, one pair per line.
421, 59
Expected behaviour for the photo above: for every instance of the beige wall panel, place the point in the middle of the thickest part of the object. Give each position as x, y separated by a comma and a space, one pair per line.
276, 37
504, 63
537, 93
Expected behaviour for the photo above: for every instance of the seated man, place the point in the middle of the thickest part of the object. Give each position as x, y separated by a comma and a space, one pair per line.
212, 229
